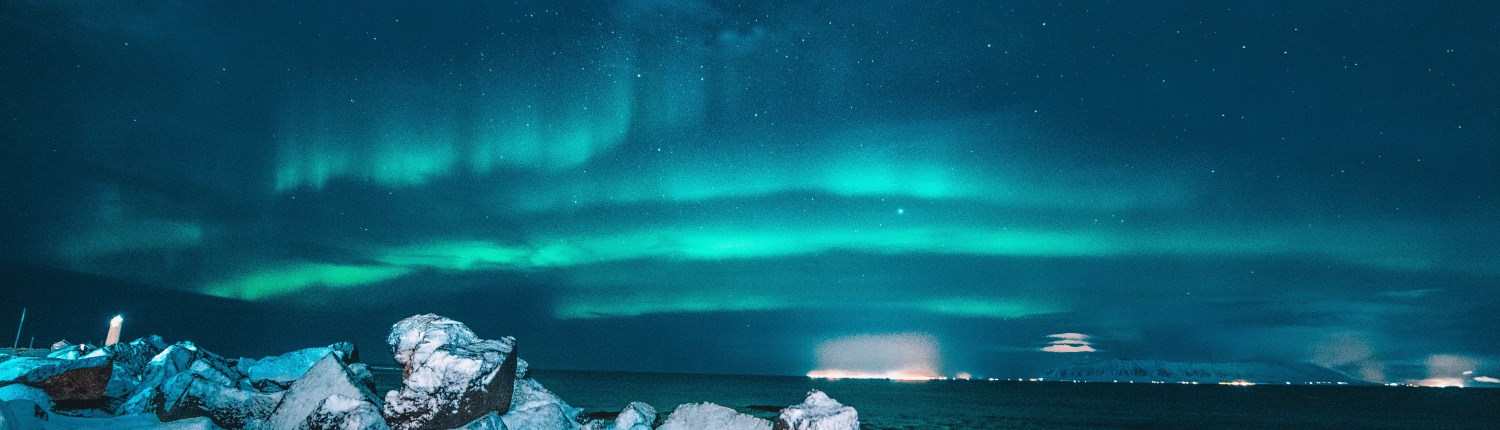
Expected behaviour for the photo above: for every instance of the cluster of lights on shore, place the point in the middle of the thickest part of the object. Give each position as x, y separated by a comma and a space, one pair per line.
906, 376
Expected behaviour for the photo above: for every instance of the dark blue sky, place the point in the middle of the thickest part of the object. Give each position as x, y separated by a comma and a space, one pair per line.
708, 186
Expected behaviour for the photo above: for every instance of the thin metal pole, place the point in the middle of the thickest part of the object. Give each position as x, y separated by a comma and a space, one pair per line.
17, 344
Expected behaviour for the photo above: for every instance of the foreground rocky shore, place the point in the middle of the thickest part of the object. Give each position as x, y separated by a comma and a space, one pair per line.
451, 379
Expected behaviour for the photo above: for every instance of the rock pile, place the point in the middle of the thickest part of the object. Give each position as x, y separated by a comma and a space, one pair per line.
452, 379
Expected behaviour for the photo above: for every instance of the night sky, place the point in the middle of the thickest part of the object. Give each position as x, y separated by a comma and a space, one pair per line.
708, 186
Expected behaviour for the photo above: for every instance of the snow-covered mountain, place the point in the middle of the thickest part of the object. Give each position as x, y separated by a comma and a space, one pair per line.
1129, 370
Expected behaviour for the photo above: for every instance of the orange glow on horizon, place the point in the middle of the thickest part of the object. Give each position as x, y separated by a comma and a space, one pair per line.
1440, 382
895, 375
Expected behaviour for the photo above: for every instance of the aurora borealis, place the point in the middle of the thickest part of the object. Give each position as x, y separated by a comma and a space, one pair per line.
742, 183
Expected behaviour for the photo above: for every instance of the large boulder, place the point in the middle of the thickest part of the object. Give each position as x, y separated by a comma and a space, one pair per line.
818, 412
63, 380
696, 416
279, 372
326, 378
451, 376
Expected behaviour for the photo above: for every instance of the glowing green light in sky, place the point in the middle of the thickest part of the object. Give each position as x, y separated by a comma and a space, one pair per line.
295, 277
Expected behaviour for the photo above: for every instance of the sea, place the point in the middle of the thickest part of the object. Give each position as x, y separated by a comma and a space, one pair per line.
984, 404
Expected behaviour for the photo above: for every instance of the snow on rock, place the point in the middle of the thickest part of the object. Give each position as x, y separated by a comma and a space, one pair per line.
277, 373
818, 412
190, 395
415, 338
532, 403
338, 412
697, 416
326, 378
636, 416
452, 377
132, 357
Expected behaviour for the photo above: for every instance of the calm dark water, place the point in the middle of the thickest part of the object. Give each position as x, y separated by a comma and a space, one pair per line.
1021, 405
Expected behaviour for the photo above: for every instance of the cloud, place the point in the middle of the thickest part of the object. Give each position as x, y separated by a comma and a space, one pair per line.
1069, 343
1487, 379
1349, 349
901, 353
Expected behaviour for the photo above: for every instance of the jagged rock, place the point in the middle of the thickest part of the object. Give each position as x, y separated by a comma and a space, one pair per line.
338, 412
696, 416
67, 352
176, 359
131, 357
635, 416
327, 377
533, 403
451, 376
818, 412
277, 373
190, 395
63, 380
540, 416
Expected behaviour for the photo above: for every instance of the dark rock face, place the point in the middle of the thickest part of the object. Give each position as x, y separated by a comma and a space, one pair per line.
452, 377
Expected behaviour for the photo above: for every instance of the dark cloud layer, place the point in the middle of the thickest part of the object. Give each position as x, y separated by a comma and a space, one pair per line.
718, 187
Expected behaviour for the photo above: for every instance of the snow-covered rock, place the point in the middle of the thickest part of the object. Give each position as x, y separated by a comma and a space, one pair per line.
278, 372
131, 357
190, 395
818, 412
533, 403
636, 416
697, 416
338, 412
326, 378
61, 379
452, 377
415, 338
